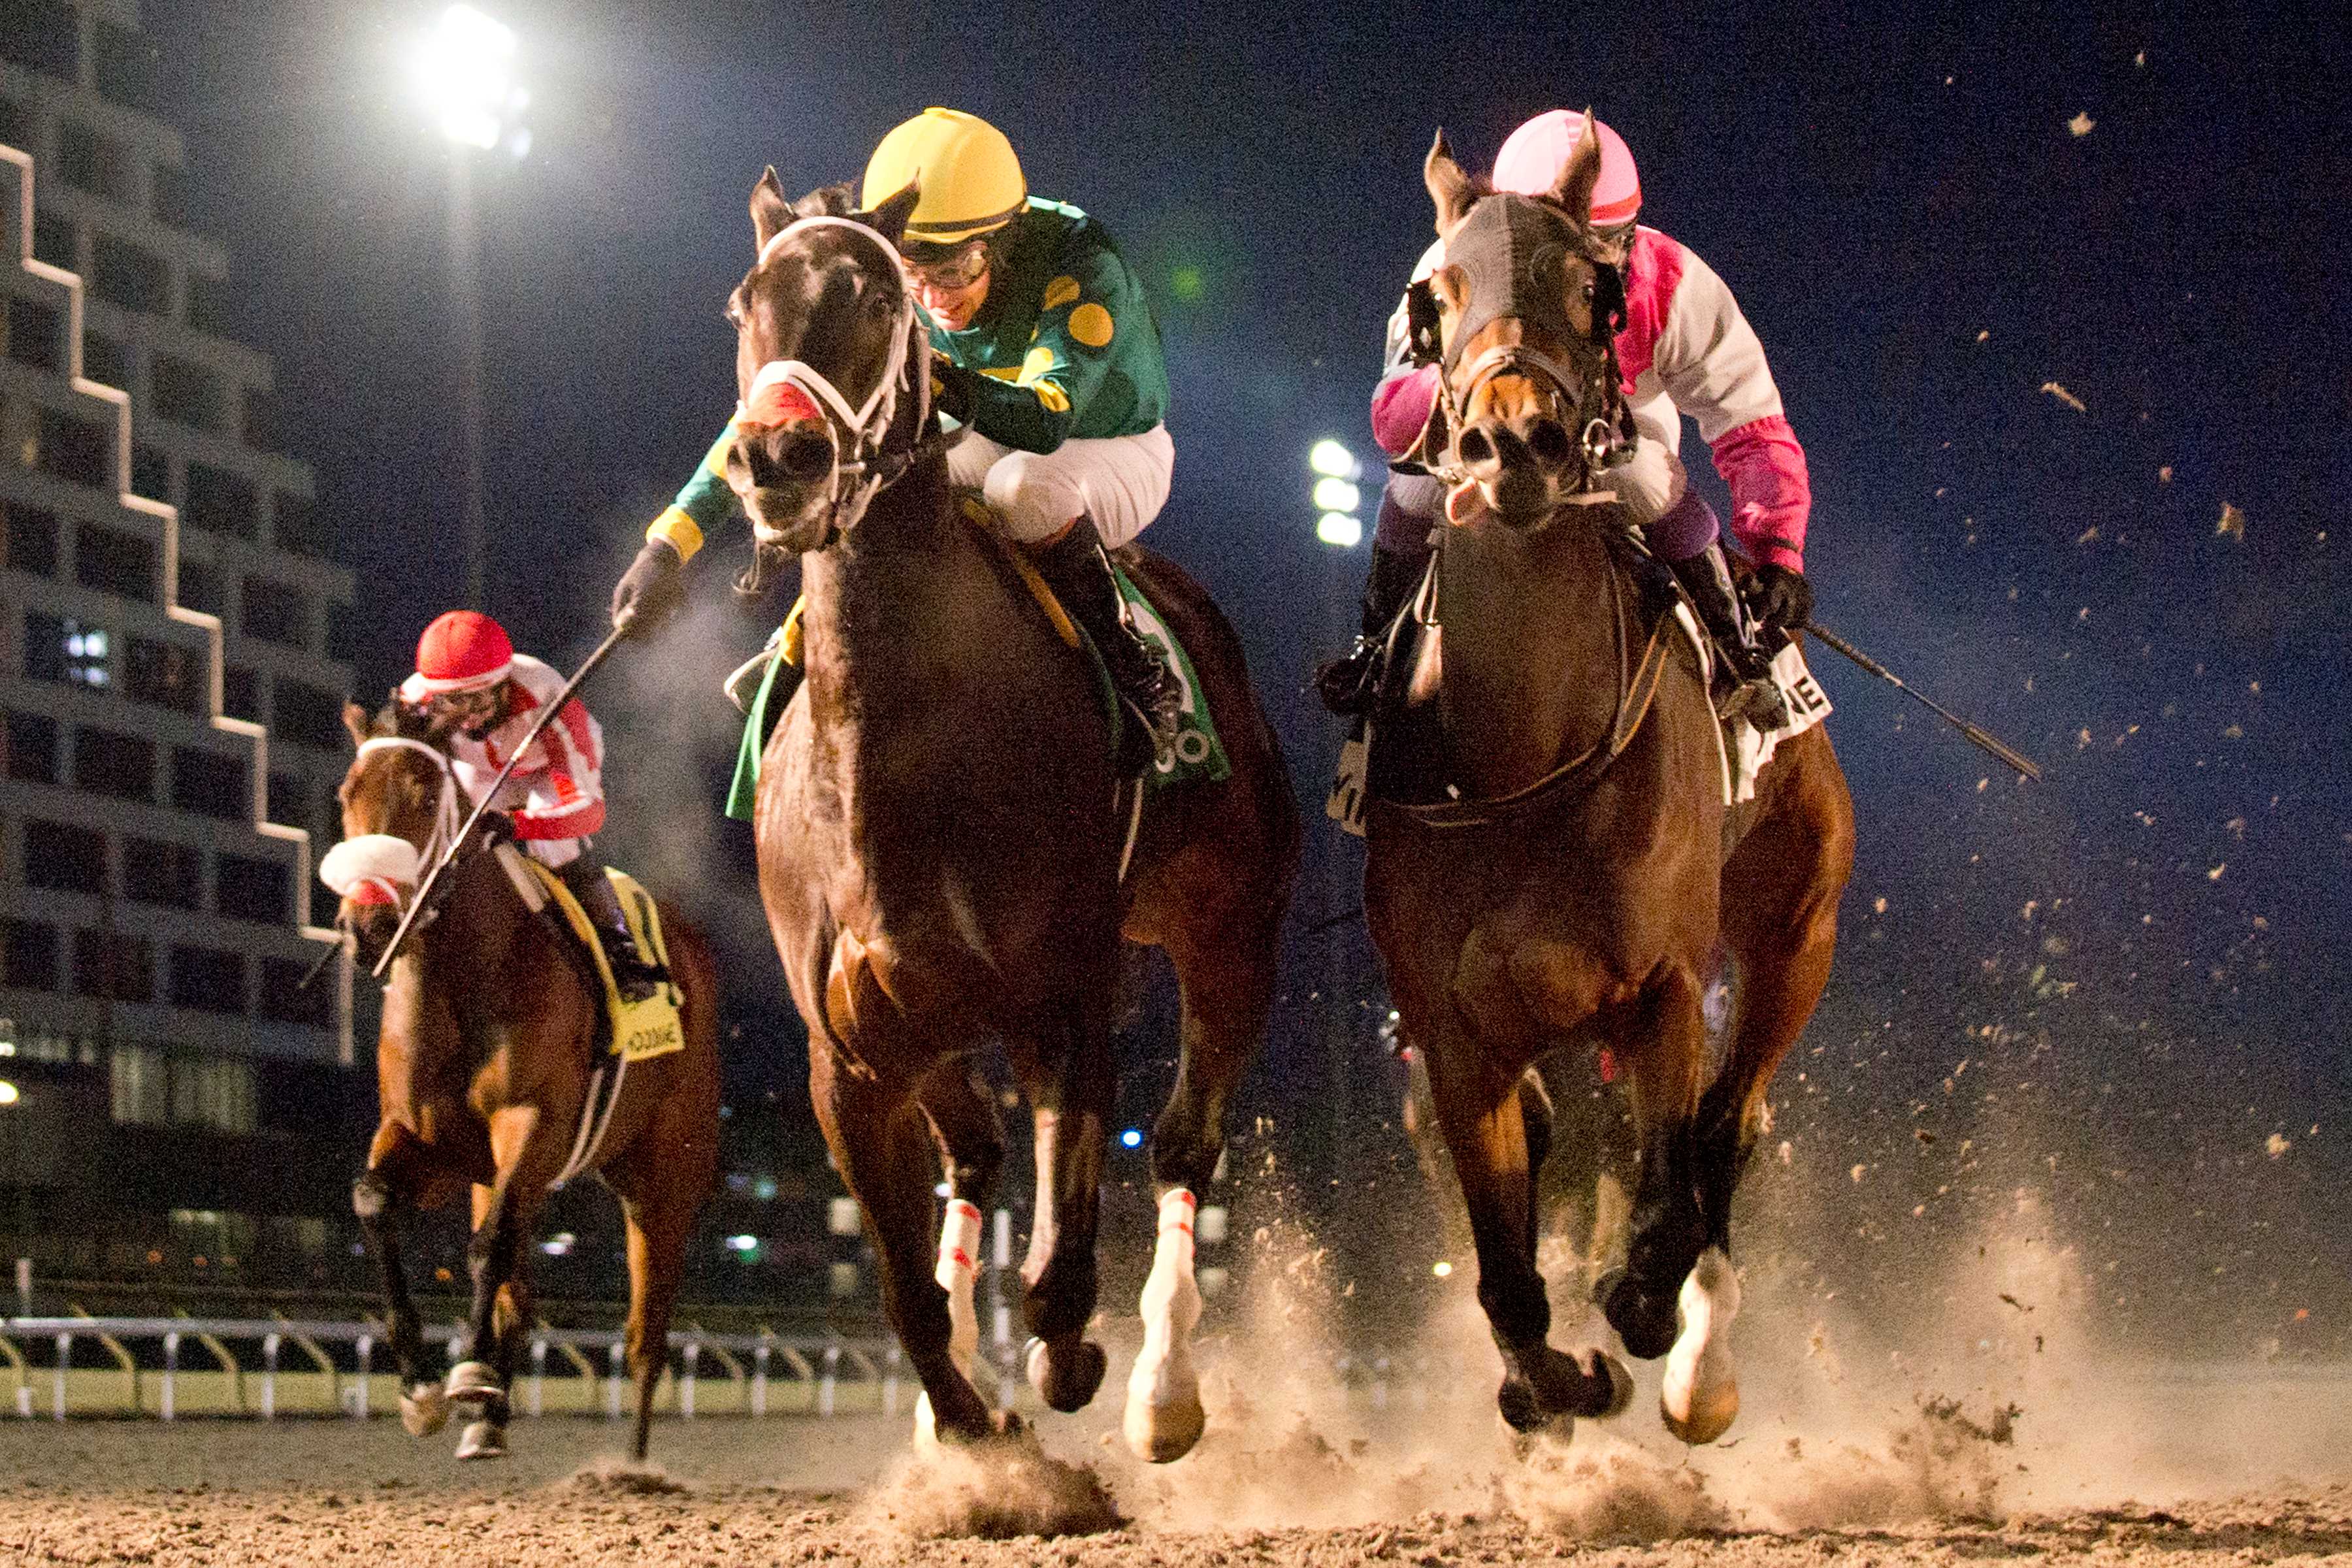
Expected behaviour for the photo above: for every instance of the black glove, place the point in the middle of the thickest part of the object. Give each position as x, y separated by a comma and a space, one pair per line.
953, 392
496, 827
650, 589
1781, 598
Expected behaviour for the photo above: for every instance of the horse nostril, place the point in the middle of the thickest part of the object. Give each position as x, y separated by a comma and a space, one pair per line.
804, 454
1549, 443
1476, 447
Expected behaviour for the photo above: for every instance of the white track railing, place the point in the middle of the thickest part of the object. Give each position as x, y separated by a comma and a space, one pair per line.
812, 1362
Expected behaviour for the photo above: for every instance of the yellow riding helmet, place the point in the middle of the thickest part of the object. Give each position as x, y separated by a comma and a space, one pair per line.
971, 183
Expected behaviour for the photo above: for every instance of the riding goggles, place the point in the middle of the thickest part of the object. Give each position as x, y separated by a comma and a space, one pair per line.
945, 268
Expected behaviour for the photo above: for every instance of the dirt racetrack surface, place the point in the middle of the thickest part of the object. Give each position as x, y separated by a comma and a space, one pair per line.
1938, 1485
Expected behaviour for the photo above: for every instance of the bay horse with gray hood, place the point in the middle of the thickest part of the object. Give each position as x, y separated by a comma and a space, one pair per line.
1570, 869
948, 856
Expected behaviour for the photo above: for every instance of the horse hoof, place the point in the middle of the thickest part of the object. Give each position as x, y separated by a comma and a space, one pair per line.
1526, 1416
1712, 1412
423, 1409
1067, 1387
483, 1440
1621, 1383
474, 1383
1161, 1434
1645, 1321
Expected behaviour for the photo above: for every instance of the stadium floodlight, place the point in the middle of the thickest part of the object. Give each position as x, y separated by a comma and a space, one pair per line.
8, 1095
1337, 495
1341, 530
466, 72
1333, 460
742, 1244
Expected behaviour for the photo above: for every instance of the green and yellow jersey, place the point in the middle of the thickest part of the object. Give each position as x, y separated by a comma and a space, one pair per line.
1063, 347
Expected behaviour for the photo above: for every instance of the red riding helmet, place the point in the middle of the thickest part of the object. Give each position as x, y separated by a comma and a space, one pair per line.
464, 650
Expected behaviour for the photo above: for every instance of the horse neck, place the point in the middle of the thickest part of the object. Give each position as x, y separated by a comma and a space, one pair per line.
908, 607
448, 978
1532, 649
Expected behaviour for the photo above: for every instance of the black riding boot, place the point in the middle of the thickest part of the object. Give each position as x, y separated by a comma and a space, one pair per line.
1078, 571
1744, 684
1346, 683
636, 978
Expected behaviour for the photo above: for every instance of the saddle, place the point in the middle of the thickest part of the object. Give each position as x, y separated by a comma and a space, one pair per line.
634, 1031
1197, 755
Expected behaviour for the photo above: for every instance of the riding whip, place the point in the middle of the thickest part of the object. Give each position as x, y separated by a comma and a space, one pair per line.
2008, 756
546, 716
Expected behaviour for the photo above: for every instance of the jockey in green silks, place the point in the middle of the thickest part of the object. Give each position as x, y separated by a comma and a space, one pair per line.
1044, 352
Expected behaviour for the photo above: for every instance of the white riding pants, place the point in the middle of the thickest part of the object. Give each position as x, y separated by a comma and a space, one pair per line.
1120, 481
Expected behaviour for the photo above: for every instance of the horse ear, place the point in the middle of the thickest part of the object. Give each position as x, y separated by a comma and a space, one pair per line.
889, 219
355, 719
1573, 189
1449, 188
770, 210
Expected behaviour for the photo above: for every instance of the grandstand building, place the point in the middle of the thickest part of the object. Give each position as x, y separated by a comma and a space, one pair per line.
178, 1106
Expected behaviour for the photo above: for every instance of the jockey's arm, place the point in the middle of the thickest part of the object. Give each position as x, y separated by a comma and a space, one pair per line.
1712, 364
564, 784
1084, 336
650, 589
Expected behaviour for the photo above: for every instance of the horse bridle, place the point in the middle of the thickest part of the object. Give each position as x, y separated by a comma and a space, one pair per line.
862, 432
1604, 420
385, 864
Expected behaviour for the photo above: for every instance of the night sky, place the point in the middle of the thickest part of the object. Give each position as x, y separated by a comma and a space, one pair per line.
1930, 220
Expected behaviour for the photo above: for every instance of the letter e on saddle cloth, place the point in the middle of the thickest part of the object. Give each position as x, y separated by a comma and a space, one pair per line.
640, 1030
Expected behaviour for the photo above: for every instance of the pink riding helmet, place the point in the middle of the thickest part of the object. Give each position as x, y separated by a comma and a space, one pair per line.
1532, 156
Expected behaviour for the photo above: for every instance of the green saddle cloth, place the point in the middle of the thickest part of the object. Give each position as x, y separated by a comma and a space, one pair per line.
1198, 755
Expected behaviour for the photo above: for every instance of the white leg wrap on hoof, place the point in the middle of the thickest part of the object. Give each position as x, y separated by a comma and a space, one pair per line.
474, 1381
1164, 1417
1700, 1398
958, 1268
423, 1409
482, 1440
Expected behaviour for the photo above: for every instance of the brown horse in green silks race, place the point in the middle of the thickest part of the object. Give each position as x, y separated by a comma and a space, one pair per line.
494, 1073
950, 855
1559, 867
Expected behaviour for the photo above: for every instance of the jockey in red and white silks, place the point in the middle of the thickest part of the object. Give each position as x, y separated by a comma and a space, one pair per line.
555, 797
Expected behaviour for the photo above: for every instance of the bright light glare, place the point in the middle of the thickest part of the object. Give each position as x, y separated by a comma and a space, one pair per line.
1131, 1139
1441, 1268
465, 73
1337, 495
1332, 459
742, 1244
1339, 529
7, 1092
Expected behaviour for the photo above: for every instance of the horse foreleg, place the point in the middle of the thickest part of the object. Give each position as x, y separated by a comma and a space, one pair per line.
1485, 1120
1667, 1037
876, 1136
971, 1153
383, 1199
526, 1161
1070, 1093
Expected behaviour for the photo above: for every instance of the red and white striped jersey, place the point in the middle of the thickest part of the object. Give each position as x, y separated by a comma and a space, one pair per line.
557, 792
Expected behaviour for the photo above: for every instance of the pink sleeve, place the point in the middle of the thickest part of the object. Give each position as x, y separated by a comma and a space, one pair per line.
1401, 405
1772, 496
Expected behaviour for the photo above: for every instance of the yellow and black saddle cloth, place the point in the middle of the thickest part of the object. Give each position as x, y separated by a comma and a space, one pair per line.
1197, 753
639, 1030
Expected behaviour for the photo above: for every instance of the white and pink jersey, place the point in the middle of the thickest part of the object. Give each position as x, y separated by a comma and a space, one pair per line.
556, 794
1686, 349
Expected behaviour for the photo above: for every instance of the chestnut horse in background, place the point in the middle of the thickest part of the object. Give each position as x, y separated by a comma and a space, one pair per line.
949, 858
1577, 881
491, 1021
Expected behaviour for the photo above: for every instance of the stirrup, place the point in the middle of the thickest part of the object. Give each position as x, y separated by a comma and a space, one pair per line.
1348, 685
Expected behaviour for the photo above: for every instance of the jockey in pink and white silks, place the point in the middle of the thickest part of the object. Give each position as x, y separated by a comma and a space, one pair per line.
1686, 349
469, 676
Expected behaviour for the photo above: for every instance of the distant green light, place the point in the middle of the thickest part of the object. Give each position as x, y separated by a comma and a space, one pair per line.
1187, 284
